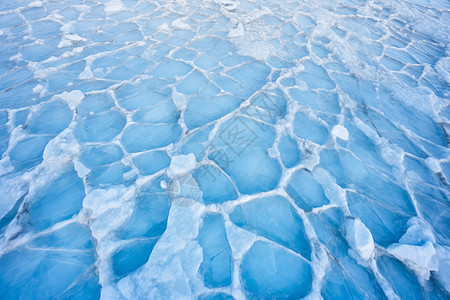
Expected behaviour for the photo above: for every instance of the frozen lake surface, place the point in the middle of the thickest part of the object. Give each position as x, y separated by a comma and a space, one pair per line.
224, 149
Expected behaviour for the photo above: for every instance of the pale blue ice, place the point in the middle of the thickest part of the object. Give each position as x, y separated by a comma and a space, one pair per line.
224, 149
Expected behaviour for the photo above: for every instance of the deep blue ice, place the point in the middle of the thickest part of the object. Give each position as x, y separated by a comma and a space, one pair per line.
224, 149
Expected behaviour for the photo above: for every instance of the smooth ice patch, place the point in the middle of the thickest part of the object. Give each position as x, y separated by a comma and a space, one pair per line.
269, 271
359, 237
340, 131
157, 136
113, 7
274, 218
422, 259
182, 164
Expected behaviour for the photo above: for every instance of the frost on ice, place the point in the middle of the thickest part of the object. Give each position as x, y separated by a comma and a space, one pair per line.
224, 149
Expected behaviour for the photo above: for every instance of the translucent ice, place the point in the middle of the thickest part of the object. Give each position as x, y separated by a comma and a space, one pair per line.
100, 128
274, 218
157, 136
216, 267
224, 149
59, 264
271, 271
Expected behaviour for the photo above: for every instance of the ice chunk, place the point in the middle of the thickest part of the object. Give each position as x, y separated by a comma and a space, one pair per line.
269, 271
307, 128
348, 275
289, 151
184, 190
240, 149
101, 127
385, 225
44, 29
28, 151
216, 267
359, 237
93, 156
306, 191
132, 256
433, 164
221, 296
162, 112
422, 259
171, 68
192, 83
417, 233
56, 265
72, 98
274, 218
151, 162
214, 184
50, 118
149, 218
57, 201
